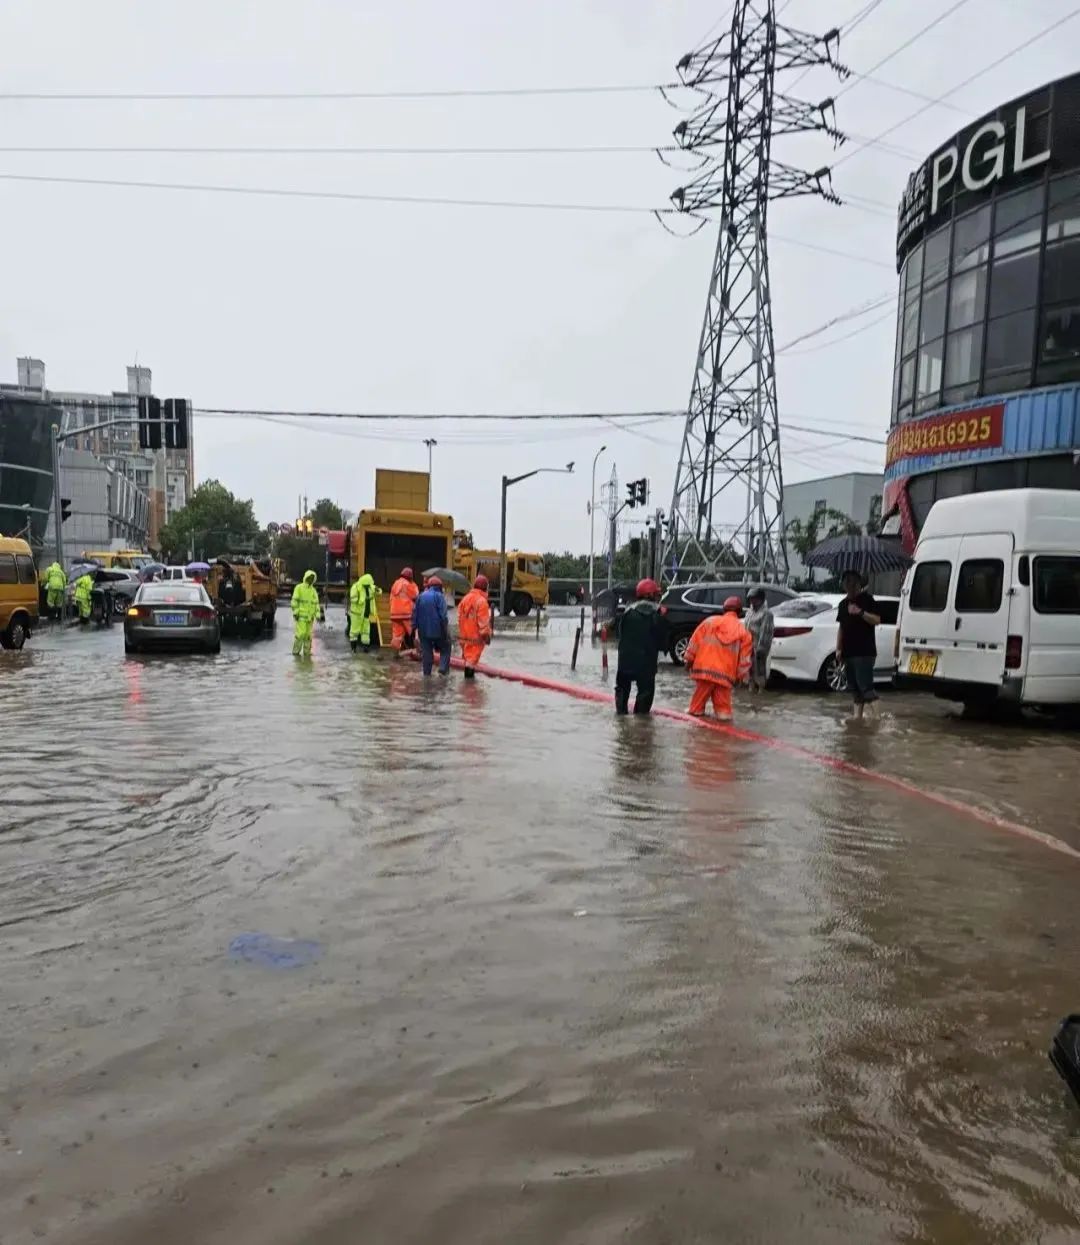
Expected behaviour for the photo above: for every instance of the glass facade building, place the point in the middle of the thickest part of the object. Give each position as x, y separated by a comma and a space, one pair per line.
988, 309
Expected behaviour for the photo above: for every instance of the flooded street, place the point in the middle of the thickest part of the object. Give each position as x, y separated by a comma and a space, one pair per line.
575, 979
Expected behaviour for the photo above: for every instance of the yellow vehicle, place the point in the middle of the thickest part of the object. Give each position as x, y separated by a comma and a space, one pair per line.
18, 592
390, 537
528, 584
244, 593
118, 559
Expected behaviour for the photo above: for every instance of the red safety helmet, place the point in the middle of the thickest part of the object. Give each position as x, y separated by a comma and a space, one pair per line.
481, 581
647, 588
734, 605
434, 582
406, 572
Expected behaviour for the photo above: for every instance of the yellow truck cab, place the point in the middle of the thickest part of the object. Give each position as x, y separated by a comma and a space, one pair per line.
18, 592
528, 581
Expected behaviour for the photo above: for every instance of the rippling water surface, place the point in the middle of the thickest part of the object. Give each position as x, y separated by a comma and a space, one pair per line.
578, 979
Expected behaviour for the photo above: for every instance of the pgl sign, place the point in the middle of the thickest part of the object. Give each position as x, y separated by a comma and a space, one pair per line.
986, 158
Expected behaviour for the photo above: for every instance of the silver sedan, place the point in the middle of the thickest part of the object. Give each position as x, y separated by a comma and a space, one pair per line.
171, 615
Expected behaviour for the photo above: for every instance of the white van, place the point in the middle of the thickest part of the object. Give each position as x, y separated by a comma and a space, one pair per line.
991, 609
175, 572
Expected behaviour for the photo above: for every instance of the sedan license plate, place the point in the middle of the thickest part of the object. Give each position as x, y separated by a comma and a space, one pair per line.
922, 663
170, 620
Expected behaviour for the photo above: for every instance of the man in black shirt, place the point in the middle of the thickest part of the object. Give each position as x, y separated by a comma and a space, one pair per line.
856, 618
643, 636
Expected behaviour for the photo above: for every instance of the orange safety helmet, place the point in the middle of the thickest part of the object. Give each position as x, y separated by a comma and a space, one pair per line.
647, 588
733, 605
434, 582
481, 581
406, 572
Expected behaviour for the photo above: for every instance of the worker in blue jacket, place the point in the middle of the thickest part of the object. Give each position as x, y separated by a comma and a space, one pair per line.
432, 625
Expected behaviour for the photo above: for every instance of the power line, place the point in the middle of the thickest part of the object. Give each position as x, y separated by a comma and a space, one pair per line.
429, 416
958, 87
859, 17
603, 149
345, 195
241, 96
958, 4
835, 341
853, 313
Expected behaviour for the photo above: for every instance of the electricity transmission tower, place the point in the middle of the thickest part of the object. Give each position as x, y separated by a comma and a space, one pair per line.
729, 464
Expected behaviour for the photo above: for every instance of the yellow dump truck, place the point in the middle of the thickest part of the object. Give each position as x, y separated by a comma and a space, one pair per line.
399, 531
244, 593
528, 584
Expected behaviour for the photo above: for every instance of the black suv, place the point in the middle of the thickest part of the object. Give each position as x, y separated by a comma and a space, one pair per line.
688, 604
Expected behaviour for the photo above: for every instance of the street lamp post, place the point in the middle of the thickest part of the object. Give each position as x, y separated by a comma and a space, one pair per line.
506, 483
430, 442
592, 518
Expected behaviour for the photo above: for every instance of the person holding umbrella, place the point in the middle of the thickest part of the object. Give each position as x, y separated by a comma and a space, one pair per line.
856, 617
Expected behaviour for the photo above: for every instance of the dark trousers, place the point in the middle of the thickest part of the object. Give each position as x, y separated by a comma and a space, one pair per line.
646, 689
427, 653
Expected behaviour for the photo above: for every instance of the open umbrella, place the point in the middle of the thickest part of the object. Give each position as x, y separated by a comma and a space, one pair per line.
865, 554
198, 568
450, 579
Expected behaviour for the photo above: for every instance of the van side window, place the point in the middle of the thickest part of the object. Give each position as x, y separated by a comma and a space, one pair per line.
930, 587
978, 586
1057, 585
7, 569
24, 564
887, 611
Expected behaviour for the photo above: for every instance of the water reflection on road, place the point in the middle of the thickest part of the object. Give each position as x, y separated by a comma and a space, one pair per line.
580, 979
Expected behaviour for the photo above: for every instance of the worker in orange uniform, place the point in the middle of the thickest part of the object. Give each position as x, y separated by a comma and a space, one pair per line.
402, 599
474, 624
718, 656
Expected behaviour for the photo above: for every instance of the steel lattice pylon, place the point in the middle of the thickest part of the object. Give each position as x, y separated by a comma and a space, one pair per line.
729, 464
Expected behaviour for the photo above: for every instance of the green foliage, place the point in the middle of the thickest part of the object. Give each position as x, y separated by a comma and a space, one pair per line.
300, 554
327, 513
212, 523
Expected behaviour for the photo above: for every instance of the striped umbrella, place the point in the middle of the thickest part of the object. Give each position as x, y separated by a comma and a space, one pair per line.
865, 554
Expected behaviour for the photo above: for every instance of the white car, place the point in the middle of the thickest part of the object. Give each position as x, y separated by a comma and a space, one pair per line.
804, 641
177, 573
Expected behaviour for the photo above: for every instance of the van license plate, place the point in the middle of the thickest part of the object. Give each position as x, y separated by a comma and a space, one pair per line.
922, 663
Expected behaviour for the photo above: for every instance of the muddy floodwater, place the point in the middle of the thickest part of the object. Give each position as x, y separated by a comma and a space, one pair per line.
527, 973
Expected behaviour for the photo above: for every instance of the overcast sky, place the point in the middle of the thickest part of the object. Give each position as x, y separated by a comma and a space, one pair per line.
244, 301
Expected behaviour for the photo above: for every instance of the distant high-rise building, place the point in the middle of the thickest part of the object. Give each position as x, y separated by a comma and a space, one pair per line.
166, 477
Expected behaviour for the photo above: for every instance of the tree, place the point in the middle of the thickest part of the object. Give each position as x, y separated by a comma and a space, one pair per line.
327, 513
212, 523
804, 534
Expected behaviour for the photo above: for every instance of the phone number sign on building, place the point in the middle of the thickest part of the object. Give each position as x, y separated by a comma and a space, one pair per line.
980, 428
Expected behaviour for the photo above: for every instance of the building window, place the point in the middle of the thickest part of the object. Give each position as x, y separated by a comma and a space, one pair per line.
971, 239
1014, 282
1061, 272
936, 257
992, 476
957, 482
820, 506
928, 383
921, 495
967, 297
1060, 335
913, 270
907, 380
1018, 221
1063, 214
932, 323
963, 356
1009, 343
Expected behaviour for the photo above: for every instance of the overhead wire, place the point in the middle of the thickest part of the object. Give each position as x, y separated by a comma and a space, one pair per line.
959, 86
902, 47
263, 96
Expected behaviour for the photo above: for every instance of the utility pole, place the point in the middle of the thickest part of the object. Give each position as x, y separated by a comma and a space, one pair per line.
731, 441
58, 522
430, 442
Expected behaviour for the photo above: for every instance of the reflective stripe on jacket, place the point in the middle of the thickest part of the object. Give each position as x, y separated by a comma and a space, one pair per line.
719, 651
362, 596
474, 617
402, 596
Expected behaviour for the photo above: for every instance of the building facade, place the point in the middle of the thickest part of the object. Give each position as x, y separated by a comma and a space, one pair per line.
107, 509
26, 474
166, 476
986, 385
856, 494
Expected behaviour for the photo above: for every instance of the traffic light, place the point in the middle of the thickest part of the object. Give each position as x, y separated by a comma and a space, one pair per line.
176, 423
149, 423
65, 509
631, 494
642, 492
